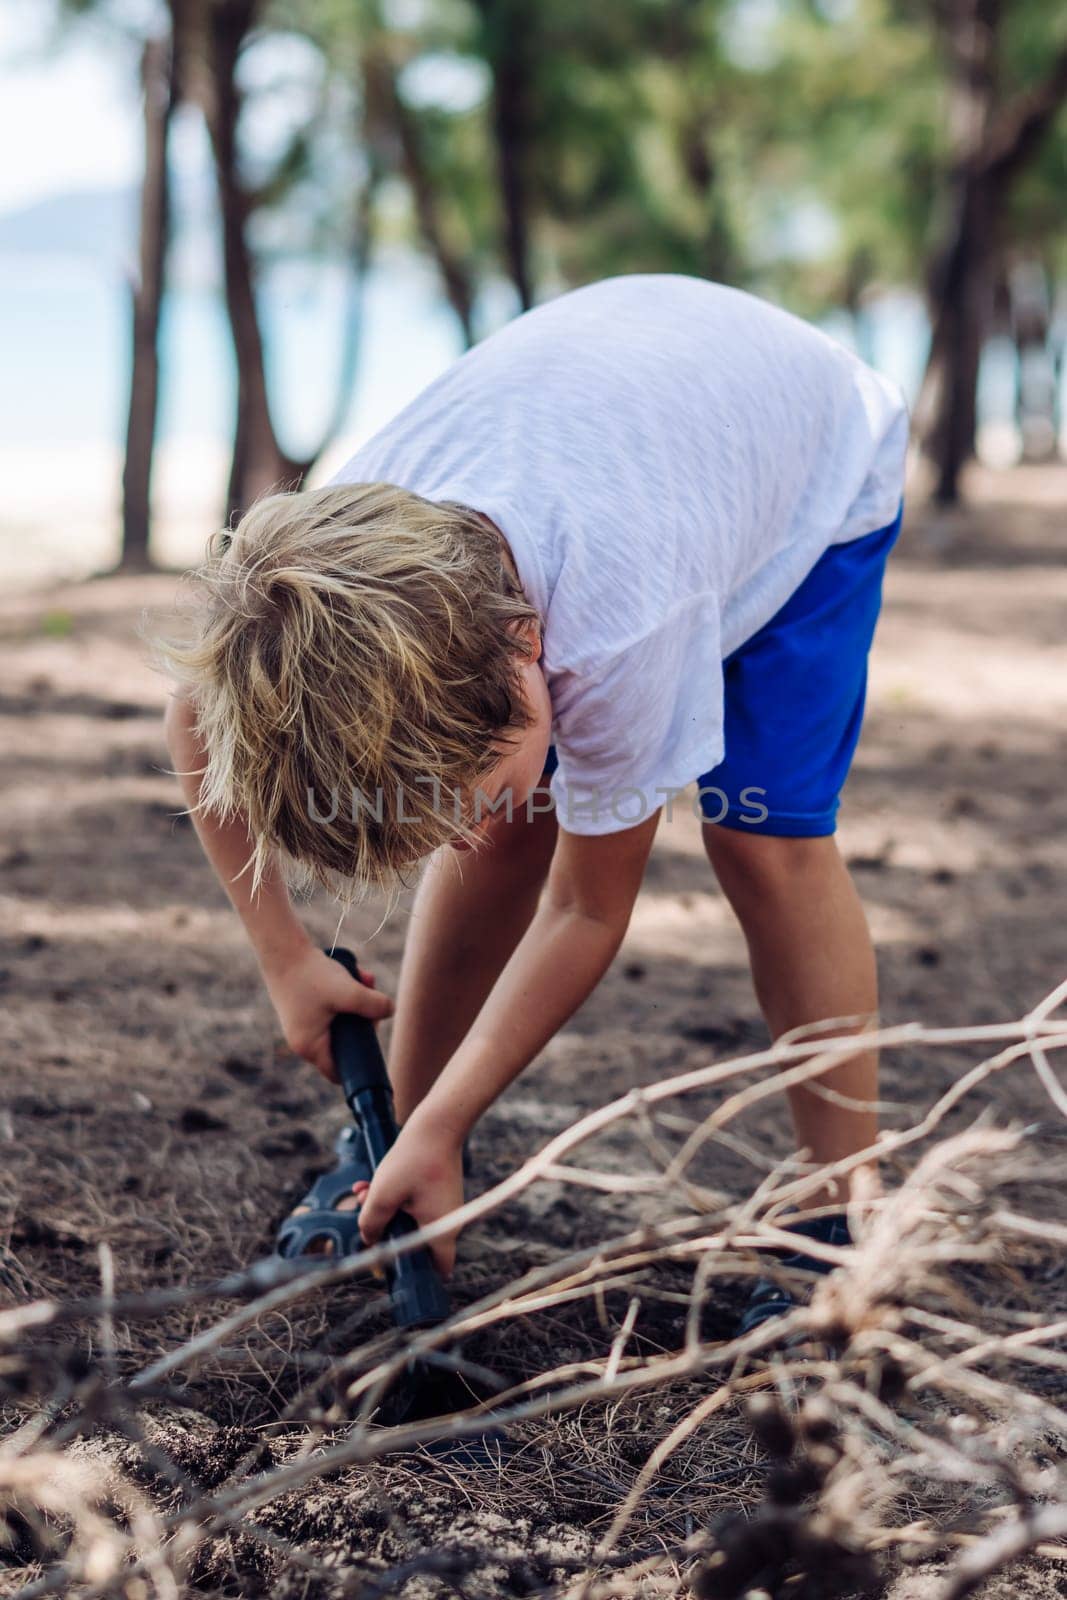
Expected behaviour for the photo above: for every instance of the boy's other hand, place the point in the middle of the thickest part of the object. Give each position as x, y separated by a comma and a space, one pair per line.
308, 992
422, 1175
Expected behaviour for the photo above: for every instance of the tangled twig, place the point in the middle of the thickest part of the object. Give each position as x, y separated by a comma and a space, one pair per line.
897, 1385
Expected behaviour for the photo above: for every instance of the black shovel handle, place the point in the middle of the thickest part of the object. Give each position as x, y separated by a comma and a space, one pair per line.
419, 1296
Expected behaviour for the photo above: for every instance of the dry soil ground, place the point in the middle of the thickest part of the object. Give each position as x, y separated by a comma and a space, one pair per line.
147, 1100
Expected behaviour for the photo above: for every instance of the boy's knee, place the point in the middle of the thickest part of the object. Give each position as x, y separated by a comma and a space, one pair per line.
763, 864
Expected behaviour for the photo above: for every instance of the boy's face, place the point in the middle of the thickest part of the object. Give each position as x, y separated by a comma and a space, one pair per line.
518, 771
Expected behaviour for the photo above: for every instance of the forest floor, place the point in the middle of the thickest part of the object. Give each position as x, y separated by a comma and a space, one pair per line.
148, 1101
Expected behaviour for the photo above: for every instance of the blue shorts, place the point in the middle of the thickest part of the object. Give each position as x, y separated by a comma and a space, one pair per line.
793, 699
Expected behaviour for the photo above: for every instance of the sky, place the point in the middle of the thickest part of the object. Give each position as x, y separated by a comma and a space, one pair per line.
70, 113
70, 101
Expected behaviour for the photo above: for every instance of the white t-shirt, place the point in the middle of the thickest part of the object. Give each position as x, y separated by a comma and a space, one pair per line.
667, 459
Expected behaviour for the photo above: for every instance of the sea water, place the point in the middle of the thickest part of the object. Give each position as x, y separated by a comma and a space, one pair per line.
64, 374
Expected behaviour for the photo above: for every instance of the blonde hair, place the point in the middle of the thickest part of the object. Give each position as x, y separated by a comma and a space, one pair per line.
353, 667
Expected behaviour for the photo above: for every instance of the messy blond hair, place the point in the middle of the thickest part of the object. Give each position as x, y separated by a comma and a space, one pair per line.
353, 665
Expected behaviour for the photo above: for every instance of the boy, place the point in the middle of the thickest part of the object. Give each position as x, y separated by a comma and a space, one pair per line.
633, 539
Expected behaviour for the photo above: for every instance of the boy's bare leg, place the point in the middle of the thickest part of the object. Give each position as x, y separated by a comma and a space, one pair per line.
471, 909
812, 960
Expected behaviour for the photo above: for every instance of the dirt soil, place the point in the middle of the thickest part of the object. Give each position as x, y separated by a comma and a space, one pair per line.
148, 1102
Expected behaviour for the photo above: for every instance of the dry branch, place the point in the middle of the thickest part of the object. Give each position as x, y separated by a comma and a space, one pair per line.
913, 1415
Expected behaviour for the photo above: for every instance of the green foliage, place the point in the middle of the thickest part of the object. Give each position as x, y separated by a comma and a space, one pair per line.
57, 624
853, 128
797, 145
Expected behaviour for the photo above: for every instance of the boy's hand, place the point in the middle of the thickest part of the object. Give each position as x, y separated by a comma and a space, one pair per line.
308, 992
422, 1175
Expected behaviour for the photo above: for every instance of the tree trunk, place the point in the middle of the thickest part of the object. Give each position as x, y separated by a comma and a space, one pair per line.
505, 26
388, 118
158, 76
990, 147
259, 464
960, 279
718, 258
509, 87
960, 324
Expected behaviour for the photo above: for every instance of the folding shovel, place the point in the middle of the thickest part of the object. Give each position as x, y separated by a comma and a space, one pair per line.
418, 1295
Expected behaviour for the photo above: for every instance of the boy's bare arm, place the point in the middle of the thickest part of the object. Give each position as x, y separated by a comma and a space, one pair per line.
273, 927
566, 950
306, 987
564, 953
470, 912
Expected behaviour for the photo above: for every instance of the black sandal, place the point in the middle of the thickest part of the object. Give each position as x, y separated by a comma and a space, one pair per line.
322, 1223
770, 1297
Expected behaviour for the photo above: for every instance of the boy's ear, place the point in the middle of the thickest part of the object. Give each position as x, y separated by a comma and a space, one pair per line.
530, 635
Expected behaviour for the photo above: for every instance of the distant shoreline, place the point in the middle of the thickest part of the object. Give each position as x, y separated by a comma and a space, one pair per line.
60, 514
